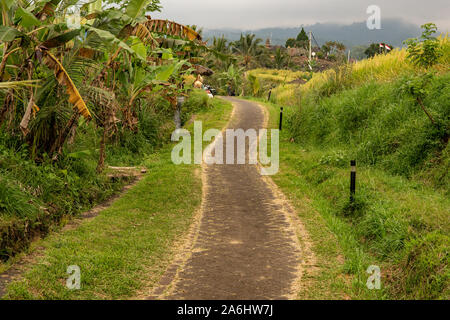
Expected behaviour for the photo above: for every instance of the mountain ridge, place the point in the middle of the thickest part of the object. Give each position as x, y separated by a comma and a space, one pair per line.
393, 31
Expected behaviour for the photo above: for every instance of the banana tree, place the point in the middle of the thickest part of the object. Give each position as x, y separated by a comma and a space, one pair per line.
232, 79
35, 45
20, 33
136, 80
80, 66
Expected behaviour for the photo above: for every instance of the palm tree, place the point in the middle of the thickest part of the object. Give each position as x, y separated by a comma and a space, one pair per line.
248, 47
221, 45
281, 59
220, 56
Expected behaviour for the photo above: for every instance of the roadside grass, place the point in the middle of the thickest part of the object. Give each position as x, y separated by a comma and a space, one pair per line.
127, 247
37, 196
331, 238
398, 224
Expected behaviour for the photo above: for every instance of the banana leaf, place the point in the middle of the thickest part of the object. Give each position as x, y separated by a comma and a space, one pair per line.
64, 79
61, 39
8, 34
25, 18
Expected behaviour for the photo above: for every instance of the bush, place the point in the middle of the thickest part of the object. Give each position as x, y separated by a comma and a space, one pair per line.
35, 196
15, 201
197, 100
427, 51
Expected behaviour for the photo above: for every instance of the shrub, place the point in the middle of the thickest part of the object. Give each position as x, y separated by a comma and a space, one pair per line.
14, 200
426, 51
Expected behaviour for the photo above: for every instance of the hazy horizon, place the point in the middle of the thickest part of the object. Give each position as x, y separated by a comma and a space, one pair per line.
260, 14
304, 25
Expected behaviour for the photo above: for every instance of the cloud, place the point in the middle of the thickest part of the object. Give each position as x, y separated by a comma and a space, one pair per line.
254, 14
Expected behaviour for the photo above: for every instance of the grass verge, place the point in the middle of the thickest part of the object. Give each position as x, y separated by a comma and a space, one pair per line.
397, 224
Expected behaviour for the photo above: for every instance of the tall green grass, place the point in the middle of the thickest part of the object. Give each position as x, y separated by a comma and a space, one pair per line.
380, 125
379, 69
397, 223
278, 76
400, 217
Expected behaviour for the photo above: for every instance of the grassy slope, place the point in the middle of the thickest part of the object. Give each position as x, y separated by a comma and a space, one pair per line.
331, 238
381, 125
400, 218
127, 247
277, 76
401, 226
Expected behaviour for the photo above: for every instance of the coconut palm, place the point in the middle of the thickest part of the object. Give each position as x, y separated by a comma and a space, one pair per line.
281, 59
221, 45
248, 46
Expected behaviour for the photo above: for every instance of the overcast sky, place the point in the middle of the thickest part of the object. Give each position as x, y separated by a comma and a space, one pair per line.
255, 14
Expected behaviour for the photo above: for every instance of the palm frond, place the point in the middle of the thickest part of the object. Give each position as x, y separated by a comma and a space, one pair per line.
18, 84
144, 34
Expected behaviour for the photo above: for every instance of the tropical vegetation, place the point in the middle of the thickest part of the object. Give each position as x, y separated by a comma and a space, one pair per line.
84, 85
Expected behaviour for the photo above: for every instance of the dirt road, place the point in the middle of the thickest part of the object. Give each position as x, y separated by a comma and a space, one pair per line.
245, 245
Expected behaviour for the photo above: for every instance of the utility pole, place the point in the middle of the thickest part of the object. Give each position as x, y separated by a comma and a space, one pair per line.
310, 51
310, 46
348, 60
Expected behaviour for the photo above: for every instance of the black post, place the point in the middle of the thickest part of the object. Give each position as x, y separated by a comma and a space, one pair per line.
270, 94
177, 115
281, 119
353, 181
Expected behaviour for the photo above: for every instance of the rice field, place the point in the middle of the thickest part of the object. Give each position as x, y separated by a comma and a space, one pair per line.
379, 69
279, 76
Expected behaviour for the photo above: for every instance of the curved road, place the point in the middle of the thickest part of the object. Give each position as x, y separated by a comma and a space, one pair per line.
245, 246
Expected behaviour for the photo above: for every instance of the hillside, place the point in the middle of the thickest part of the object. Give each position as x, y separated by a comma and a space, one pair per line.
393, 32
365, 112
